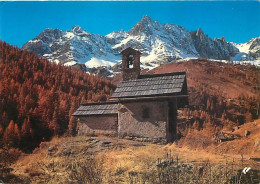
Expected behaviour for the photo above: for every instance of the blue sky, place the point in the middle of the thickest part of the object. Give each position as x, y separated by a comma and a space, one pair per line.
237, 21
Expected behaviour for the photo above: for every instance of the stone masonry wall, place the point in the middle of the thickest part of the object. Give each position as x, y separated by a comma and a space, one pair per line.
131, 73
143, 121
96, 125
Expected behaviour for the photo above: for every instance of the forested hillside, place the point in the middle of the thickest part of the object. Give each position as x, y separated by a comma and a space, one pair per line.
37, 97
222, 97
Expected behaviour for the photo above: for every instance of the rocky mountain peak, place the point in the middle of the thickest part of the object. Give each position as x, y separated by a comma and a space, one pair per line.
223, 39
77, 29
146, 26
199, 32
212, 48
146, 19
254, 47
40, 44
255, 42
49, 35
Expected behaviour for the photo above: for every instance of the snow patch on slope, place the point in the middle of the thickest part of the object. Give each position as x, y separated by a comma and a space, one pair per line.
96, 62
71, 63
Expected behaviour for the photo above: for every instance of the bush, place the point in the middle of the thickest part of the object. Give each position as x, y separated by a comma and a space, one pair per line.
89, 171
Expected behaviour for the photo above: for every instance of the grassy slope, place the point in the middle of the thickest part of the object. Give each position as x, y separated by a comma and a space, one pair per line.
114, 159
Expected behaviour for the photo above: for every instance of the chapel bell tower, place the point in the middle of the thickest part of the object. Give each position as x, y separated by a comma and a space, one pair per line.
130, 64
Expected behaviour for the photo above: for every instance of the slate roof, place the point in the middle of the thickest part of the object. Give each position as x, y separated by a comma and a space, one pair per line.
96, 109
153, 85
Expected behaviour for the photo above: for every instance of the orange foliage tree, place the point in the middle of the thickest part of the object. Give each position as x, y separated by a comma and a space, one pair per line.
37, 97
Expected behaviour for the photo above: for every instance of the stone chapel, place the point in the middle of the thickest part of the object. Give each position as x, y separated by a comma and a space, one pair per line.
142, 107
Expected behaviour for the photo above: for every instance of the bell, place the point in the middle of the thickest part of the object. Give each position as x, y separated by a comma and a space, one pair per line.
131, 57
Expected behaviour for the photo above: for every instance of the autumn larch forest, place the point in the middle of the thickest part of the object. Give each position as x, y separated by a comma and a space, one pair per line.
37, 97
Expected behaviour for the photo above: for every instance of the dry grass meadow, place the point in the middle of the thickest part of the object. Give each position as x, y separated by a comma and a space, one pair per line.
113, 161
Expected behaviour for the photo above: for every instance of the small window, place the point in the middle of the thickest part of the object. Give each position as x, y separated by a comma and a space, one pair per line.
146, 113
130, 61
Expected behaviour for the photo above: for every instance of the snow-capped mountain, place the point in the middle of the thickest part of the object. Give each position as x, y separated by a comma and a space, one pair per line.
249, 50
158, 44
212, 49
71, 47
43, 42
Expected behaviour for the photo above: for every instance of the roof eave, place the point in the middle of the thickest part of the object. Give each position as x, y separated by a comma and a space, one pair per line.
112, 114
120, 99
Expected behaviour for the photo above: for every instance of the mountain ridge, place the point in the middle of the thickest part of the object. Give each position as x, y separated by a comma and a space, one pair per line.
158, 44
